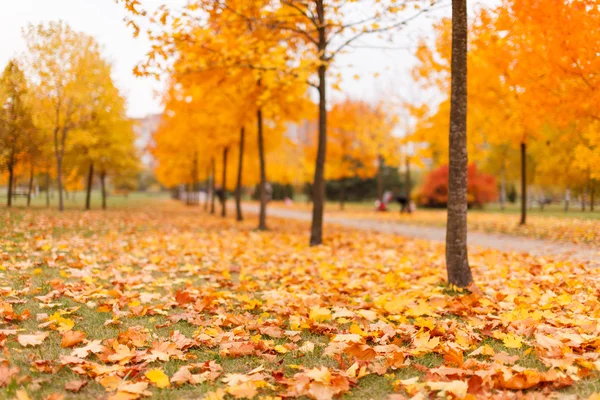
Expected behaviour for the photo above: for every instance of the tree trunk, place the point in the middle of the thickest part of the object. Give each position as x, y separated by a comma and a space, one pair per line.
457, 258
238, 187
11, 177
316, 229
523, 183
47, 188
592, 193
408, 186
103, 185
583, 198
207, 187
567, 199
30, 189
195, 184
212, 187
380, 178
342, 193
541, 200
88, 197
61, 204
224, 183
503, 189
262, 186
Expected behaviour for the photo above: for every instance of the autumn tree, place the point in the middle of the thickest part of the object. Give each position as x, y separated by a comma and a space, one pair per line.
67, 68
17, 132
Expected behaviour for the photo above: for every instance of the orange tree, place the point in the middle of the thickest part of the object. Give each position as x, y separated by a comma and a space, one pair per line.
308, 37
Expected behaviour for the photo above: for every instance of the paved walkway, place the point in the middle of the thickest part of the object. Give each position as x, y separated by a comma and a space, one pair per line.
486, 240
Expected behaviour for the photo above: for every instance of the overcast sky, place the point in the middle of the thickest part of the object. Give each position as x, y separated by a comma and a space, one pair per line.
103, 19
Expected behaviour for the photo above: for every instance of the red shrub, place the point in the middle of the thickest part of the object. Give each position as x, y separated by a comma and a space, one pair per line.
481, 188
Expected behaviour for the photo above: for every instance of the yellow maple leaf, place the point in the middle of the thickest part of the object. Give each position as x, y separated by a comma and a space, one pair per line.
158, 377
320, 314
512, 341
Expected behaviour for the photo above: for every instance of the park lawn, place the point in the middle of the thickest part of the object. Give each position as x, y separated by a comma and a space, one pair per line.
175, 303
555, 225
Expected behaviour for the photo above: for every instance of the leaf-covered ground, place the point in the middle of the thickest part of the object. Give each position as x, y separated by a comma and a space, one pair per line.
172, 303
539, 226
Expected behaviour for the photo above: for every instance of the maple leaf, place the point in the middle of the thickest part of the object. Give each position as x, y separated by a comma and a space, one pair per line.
320, 314
158, 377
512, 341
75, 386
71, 338
95, 346
32, 340
457, 388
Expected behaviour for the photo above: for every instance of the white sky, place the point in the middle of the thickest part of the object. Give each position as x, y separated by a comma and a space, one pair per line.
103, 19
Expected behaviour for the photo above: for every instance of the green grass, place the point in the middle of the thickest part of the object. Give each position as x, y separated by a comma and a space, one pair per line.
76, 200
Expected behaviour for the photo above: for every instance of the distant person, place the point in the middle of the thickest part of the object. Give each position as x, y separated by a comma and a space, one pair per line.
404, 204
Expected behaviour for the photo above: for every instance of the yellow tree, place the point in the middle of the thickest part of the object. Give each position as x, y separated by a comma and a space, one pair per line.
67, 67
309, 36
18, 135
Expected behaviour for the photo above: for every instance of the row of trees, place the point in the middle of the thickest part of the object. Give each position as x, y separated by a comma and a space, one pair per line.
273, 52
533, 113
532, 90
61, 116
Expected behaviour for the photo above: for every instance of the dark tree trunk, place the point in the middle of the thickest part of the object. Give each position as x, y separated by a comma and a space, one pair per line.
88, 196
342, 193
457, 258
318, 198
103, 186
523, 183
380, 178
61, 204
408, 186
195, 187
30, 189
47, 188
262, 186
592, 193
503, 189
207, 187
11, 178
224, 183
238, 187
212, 187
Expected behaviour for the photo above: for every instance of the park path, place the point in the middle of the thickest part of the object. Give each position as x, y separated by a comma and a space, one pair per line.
537, 247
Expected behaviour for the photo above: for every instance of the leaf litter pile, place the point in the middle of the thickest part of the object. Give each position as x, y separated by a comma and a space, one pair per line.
172, 303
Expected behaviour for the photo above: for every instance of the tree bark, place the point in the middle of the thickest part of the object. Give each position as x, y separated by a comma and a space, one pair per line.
207, 187
408, 186
262, 186
238, 187
212, 187
11, 177
47, 188
103, 185
503, 188
88, 197
30, 189
316, 229
457, 260
567, 199
342, 193
380, 178
61, 204
224, 184
592, 193
195, 186
523, 183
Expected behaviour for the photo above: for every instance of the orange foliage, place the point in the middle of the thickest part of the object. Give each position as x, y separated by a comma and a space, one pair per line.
481, 188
